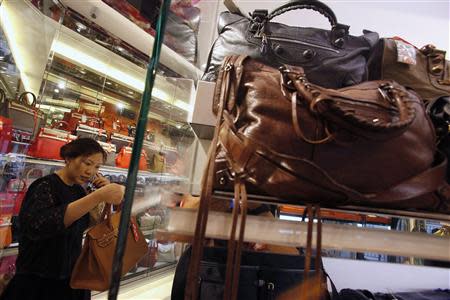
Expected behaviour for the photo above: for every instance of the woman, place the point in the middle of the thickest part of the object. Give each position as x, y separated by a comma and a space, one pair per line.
53, 217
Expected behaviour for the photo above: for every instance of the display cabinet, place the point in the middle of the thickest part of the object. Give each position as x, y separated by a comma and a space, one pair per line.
89, 82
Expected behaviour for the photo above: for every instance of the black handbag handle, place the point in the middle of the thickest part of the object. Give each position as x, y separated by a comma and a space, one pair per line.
22, 99
315, 5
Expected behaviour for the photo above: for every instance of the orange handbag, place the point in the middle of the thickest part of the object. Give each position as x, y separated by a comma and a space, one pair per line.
124, 157
94, 266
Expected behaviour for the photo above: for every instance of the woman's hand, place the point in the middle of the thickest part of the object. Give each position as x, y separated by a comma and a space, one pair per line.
111, 193
100, 181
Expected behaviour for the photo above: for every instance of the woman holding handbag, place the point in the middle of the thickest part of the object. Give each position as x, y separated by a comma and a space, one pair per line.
53, 217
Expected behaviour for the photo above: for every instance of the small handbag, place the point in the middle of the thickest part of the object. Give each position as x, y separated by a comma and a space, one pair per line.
120, 140
75, 118
85, 131
331, 58
158, 163
425, 70
5, 124
25, 116
123, 159
94, 266
48, 143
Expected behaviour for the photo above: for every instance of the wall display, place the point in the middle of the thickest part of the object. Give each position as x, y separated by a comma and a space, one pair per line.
79, 98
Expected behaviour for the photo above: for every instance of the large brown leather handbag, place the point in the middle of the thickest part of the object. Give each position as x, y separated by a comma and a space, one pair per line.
371, 144
93, 268
425, 70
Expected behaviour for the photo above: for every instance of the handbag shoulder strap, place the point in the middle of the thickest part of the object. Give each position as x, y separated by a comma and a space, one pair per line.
227, 84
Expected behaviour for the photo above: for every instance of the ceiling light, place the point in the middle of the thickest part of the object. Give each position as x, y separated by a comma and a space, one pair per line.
12, 82
9, 26
2, 57
108, 83
131, 92
120, 106
56, 90
62, 85
4, 68
7, 75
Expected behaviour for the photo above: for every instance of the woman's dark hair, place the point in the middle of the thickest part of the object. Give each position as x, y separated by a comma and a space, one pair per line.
81, 147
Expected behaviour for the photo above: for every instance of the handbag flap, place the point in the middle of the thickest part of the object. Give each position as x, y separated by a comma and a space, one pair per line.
374, 110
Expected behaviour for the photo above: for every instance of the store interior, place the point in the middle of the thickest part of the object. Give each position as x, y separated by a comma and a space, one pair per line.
87, 60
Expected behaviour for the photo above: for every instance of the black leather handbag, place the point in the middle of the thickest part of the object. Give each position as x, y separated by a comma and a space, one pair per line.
263, 276
331, 58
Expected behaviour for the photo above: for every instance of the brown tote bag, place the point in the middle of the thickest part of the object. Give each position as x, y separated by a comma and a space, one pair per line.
93, 268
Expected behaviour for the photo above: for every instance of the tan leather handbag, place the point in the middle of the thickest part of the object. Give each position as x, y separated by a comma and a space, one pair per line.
425, 70
93, 268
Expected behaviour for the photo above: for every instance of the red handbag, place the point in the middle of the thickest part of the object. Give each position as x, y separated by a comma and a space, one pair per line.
5, 124
17, 188
48, 143
124, 157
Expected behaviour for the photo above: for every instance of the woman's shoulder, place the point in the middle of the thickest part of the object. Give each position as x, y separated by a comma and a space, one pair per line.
45, 182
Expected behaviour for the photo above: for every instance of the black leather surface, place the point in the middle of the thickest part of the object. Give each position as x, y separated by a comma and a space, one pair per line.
327, 61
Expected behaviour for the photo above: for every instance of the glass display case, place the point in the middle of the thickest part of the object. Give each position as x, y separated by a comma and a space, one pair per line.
89, 82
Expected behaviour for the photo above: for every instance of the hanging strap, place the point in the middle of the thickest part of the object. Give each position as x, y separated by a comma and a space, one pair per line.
225, 87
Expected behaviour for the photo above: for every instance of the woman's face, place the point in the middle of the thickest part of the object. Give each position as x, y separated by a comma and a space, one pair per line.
83, 168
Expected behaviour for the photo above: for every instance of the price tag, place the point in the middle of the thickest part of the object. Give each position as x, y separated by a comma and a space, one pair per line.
406, 53
135, 230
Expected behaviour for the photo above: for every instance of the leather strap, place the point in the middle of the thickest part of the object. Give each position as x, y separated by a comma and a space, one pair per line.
315, 5
231, 65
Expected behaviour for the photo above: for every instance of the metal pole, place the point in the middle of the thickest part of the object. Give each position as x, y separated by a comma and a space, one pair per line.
137, 148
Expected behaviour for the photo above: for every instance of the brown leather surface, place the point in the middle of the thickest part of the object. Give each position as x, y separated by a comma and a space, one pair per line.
421, 77
380, 149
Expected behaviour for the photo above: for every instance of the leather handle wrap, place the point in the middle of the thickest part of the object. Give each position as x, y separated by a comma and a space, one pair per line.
318, 6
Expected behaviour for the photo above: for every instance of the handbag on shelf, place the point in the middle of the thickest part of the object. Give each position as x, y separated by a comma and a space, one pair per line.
6, 237
5, 125
19, 187
120, 140
25, 116
149, 222
166, 252
263, 275
123, 159
94, 266
85, 131
328, 144
150, 258
75, 118
331, 58
111, 154
48, 143
425, 70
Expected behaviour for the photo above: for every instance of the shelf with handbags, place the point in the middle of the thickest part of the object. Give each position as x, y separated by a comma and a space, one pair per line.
89, 89
292, 130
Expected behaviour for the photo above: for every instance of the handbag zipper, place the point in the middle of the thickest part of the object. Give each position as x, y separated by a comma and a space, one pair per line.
264, 43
